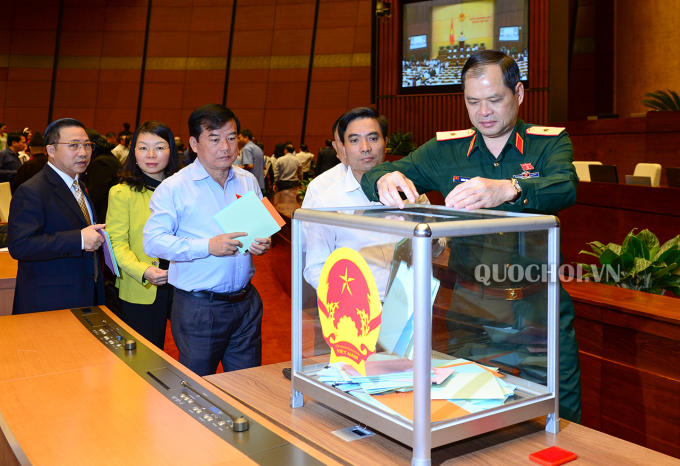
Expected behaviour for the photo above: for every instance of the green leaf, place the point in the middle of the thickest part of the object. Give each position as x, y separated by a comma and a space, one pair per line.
608, 256
615, 248
624, 262
664, 270
673, 243
597, 247
586, 267
653, 104
676, 98
649, 238
641, 265
674, 289
672, 255
589, 253
637, 248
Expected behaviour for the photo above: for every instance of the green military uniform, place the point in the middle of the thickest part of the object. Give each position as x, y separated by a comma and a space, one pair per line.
540, 158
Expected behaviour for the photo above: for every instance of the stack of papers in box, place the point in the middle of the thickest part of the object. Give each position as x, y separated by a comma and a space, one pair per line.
459, 386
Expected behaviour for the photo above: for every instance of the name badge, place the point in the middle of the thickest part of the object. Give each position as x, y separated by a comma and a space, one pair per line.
461, 179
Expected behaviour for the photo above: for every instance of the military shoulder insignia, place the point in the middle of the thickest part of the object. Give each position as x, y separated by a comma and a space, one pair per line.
449, 135
544, 131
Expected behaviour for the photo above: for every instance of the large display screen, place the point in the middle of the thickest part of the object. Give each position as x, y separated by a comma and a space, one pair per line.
440, 35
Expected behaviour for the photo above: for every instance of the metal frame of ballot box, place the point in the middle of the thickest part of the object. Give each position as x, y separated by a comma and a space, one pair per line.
420, 434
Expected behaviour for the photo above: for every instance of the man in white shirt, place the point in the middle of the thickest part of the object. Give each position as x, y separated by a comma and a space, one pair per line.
362, 133
122, 150
321, 182
288, 170
305, 159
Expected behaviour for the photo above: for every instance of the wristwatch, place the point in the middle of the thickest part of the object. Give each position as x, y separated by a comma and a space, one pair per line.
518, 190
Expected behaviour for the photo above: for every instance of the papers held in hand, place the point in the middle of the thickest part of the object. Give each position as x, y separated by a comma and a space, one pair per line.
109, 257
257, 217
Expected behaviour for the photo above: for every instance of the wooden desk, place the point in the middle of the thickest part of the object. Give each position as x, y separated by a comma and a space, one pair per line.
8, 279
265, 390
629, 346
66, 399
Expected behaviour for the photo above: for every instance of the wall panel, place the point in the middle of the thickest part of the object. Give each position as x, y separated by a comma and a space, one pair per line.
100, 63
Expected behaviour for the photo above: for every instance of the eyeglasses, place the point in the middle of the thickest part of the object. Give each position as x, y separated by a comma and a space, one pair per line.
75, 146
145, 150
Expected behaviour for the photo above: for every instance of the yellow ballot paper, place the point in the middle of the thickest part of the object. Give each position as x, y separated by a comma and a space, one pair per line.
349, 308
249, 214
469, 386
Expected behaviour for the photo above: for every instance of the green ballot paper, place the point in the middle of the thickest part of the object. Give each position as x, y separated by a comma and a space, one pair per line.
250, 215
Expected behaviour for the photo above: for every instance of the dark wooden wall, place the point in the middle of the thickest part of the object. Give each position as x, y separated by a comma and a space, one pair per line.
423, 115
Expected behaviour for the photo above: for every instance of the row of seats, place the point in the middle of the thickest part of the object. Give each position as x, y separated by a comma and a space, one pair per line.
652, 170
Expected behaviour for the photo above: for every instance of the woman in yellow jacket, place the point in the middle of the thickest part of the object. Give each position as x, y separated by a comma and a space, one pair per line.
143, 285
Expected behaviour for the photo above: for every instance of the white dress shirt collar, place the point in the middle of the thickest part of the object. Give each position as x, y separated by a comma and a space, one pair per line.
67, 178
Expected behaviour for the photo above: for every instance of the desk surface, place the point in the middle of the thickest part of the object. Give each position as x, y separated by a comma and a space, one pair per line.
265, 390
66, 399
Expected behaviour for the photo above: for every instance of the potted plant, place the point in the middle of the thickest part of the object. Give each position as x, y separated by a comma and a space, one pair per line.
640, 263
400, 143
302, 190
662, 100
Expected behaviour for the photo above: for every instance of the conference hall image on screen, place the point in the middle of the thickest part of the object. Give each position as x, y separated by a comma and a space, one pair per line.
439, 36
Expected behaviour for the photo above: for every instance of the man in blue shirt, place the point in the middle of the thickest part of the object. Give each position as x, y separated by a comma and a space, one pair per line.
252, 157
9, 158
216, 312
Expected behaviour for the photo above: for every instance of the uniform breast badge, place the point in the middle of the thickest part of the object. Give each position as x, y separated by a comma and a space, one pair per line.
526, 168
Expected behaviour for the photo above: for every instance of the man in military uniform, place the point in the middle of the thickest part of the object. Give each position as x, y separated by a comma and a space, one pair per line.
504, 164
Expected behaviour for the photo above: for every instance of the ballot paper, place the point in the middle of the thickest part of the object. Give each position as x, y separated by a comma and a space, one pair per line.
250, 215
459, 386
109, 256
396, 329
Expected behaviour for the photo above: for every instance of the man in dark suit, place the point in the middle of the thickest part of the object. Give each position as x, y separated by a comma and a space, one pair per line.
327, 158
52, 229
102, 173
34, 166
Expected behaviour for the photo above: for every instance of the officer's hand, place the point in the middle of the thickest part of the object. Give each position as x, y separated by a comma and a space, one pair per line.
389, 187
260, 246
480, 193
225, 245
92, 240
156, 276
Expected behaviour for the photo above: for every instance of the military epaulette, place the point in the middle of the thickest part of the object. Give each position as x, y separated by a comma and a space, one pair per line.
544, 131
449, 135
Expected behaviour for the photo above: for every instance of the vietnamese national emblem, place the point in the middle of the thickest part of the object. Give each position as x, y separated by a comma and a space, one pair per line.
349, 308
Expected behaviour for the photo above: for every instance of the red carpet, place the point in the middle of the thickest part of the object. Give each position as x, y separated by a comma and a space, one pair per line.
275, 320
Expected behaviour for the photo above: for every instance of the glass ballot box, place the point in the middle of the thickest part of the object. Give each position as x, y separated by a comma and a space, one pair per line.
427, 324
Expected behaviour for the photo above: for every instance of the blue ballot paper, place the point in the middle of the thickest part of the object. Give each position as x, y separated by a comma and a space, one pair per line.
396, 330
247, 214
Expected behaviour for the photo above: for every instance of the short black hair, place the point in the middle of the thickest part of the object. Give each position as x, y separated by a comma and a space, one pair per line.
110, 134
126, 126
210, 117
131, 174
278, 150
14, 136
246, 133
335, 126
303, 147
329, 141
358, 114
478, 62
290, 148
53, 129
